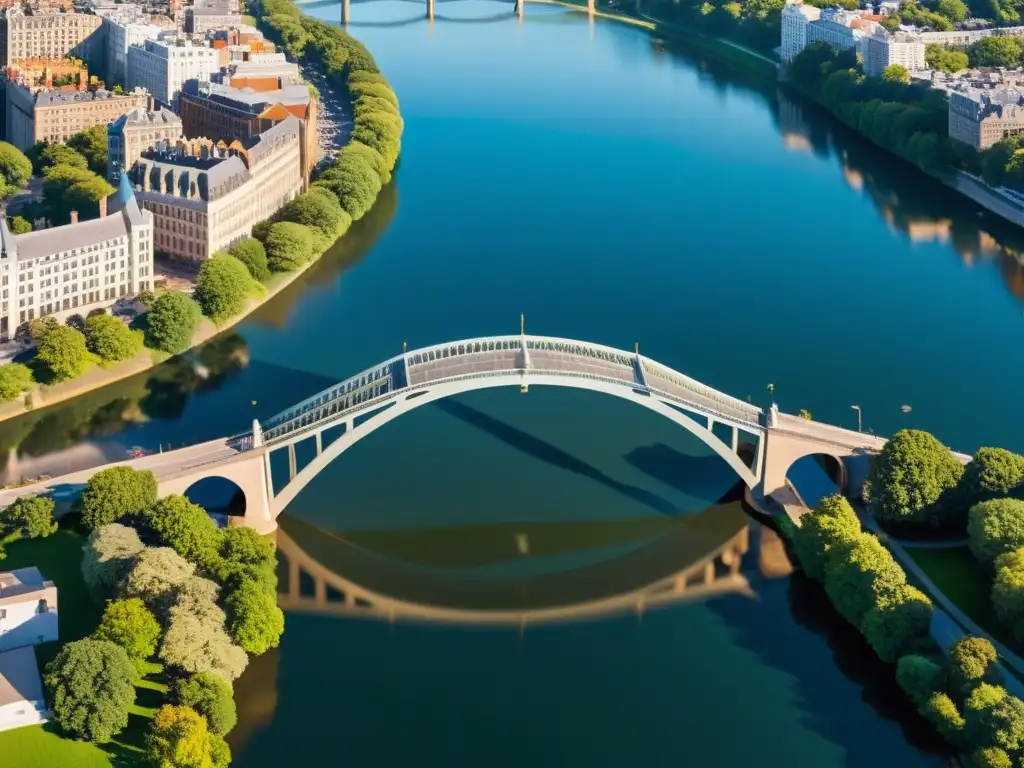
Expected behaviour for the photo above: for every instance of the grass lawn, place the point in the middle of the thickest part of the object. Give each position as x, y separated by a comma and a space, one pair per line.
58, 558
969, 586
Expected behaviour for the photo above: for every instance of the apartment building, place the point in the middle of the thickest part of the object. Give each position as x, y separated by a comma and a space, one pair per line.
982, 116
56, 115
162, 66
51, 36
883, 49
795, 18
122, 33
133, 133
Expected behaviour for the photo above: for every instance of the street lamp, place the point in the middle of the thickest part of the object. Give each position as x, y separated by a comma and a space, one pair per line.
860, 423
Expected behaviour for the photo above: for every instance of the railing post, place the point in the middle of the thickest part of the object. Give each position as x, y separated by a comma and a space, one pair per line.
257, 434
292, 467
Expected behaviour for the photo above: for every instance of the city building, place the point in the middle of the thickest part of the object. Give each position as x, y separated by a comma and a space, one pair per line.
834, 33
795, 18
51, 36
76, 268
261, 72
982, 116
206, 197
205, 15
56, 115
122, 33
162, 66
28, 609
136, 131
967, 36
883, 49
225, 113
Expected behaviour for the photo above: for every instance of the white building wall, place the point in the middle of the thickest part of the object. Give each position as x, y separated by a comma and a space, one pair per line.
27, 623
162, 68
795, 17
22, 713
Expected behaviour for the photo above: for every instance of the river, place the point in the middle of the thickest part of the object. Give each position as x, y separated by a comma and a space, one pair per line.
618, 189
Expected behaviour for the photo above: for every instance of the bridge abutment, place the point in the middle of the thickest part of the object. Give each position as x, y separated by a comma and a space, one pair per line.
520, 10
430, 9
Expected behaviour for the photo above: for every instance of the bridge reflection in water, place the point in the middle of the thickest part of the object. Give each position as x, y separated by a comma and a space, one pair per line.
432, 575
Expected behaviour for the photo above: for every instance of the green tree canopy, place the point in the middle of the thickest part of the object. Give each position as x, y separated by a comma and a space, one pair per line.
223, 286
67, 188
833, 524
289, 246
972, 660
246, 554
19, 225
992, 716
896, 73
995, 527
129, 624
187, 529
1008, 590
920, 677
92, 145
943, 59
89, 687
45, 155
862, 577
64, 353
107, 557
194, 643
15, 169
942, 712
355, 181
111, 339
28, 517
115, 492
155, 576
993, 473
909, 475
316, 211
171, 322
954, 10
179, 738
254, 620
209, 695
995, 51
900, 624
991, 757
15, 379
252, 253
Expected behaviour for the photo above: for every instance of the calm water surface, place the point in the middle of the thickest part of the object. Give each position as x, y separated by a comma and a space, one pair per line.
614, 191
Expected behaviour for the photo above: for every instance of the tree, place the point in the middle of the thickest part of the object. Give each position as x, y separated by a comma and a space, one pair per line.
19, 225
1008, 590
187, 529
896, 73
992, 716
833, 523
115, 492
937, 56
991, 757
77, 322
179, 738
146, 298
67, 188
254, 620
92, 145
15, 169
995, 527
355, 180
64, 353
129, 624
171, 322
28, 517
900, 624
107, 557
40, 326
89, 686
995, 51
223, 286
244, 553
920, 677
15, 378
941, 711
154, 577
972, 660
317, 211
993, 473
954, 10
252, 253
909, 475
111, 339
194, 645
45, 155
209, 695
861, 577
289, 246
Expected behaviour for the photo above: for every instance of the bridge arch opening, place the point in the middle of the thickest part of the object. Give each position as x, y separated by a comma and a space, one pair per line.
818, 475
218, 495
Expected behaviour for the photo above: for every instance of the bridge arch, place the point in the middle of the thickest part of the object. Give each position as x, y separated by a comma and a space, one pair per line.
421, 396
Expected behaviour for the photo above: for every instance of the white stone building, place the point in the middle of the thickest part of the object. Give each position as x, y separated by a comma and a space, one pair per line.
795, 18
28, 609
883, 49
73, 269
22, 701
162, 66
122, 34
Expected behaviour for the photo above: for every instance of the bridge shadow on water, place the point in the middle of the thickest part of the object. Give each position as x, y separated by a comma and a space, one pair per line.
551, 454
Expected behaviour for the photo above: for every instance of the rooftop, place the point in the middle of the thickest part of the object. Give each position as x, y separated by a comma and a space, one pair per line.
19, 677
20, 581
53, 97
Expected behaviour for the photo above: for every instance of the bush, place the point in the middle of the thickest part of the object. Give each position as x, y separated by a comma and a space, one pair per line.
111, 339
146, 298
993, 473
209, 695
107, 557
992, 716
15, 379
129, 624
44, 155
900, 624
317, 211
92, 145
171, 322
68, 188
1008, 590
909, 475
289, 246
15, 169
995, 527
252, 253
920, 677
355, 181
254, 620
179, 738
862, 577
972, 660
991, 757
832, 524
223, 287
246, 554
64, 353
28, 517
155, 576
941, 711
115, 492
19, 225
193, 645
89, 687
187, 529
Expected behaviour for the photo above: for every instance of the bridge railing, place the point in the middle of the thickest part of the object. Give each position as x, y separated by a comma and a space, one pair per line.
730, 406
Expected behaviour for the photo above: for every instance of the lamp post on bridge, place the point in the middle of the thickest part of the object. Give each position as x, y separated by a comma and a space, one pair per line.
860, 420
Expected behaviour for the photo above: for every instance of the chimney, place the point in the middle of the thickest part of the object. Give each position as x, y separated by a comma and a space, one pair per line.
74, 217
103, 208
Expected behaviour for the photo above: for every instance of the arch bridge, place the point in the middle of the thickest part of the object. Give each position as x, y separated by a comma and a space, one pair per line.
759, 445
